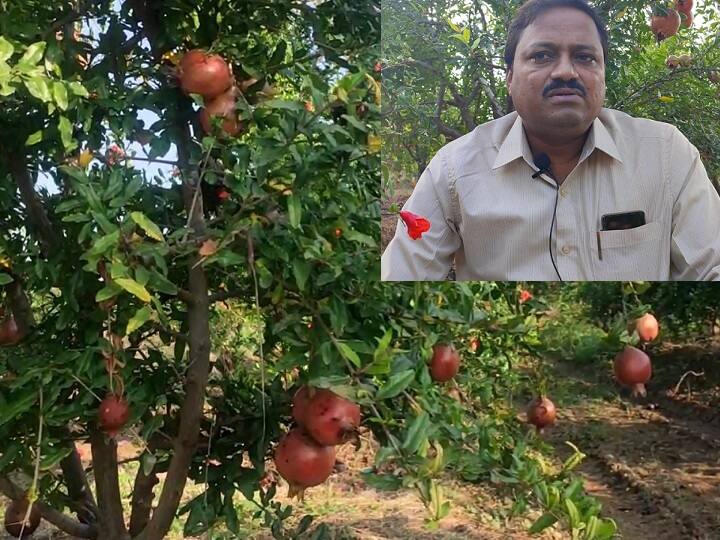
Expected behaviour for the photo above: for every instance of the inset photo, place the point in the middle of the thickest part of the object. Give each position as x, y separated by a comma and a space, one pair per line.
551, 140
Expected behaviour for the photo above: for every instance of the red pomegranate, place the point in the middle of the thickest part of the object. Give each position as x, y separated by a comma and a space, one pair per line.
541, 412
633, 368
665, 24
224, 107
684, 7
15, 516
444, 363
300, 403
331, 419
204, 74
302, 461
647, 327
9, 332
113, 414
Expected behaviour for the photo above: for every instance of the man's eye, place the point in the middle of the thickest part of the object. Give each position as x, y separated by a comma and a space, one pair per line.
537, 56
586, 57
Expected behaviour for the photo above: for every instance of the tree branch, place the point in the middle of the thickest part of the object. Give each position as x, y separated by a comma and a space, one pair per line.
81, 497
111, 520
49, 514
38, 217
442, 127
142, 497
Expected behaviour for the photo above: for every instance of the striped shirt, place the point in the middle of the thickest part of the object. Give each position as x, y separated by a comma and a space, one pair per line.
493, 220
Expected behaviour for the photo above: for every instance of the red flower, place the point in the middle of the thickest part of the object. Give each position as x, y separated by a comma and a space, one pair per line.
525, 296
114, 154
378, 67
223, 194
416, 225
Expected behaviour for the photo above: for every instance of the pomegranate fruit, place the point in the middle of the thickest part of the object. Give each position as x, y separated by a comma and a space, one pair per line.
302, 461
445, 362
331, 419
9, 332
113, 414
205, 74
224, 107
633, 368
541, 412
647, 327
300, 403
684, 7
15, 516
665, 24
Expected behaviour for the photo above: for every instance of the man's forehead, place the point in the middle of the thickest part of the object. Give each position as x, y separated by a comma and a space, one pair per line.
557, 44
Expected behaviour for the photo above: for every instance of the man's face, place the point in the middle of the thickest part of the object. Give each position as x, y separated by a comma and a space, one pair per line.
560, 51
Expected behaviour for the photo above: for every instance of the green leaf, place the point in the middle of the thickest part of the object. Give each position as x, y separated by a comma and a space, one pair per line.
396, 384
349, 354
33, 54
34, 138
417, 433
301, 270
133, 287
141, 316
573, 513
38, 87
605, 530
18, 405
542, 523
5, 279
294, 211
361, 238
147, 225
60, 94
109, 291
6, 49
160, 283
78, 89
283, 104
104, 243
65, 128
105, 224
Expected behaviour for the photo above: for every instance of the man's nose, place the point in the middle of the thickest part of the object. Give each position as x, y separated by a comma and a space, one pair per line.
564, 69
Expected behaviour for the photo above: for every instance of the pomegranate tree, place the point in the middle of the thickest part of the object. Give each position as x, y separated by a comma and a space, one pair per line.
302, 461
633, 368
445, 362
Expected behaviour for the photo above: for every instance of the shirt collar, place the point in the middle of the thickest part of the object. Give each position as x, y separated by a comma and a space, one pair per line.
514, 144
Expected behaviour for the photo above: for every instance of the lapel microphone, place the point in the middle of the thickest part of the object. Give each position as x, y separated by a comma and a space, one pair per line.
542, 162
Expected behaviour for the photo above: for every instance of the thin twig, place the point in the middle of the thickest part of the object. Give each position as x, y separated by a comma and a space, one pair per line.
677, 386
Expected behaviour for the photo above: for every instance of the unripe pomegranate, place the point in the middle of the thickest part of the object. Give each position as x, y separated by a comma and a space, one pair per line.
330, 418
302, 461
647, 327
204, 74
541, 412
15, 516
445, 362
633, 368
113, 414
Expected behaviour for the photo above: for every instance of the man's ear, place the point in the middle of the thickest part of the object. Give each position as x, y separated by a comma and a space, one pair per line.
508, 79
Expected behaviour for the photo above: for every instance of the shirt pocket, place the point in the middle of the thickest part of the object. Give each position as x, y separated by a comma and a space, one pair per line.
630, 254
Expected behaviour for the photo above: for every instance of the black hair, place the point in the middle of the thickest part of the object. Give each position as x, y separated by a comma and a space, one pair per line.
532, 9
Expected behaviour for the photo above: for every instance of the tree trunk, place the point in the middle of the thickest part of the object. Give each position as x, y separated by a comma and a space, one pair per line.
111, 521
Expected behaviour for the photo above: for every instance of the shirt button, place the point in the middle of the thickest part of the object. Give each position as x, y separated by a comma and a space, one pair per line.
565, 250
563, 192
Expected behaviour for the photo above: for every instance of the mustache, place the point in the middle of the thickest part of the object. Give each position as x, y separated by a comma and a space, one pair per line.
571, 85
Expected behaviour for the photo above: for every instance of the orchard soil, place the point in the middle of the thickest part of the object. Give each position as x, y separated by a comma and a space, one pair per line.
654, 464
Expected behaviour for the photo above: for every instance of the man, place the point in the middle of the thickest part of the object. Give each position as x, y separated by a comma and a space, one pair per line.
563, 188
